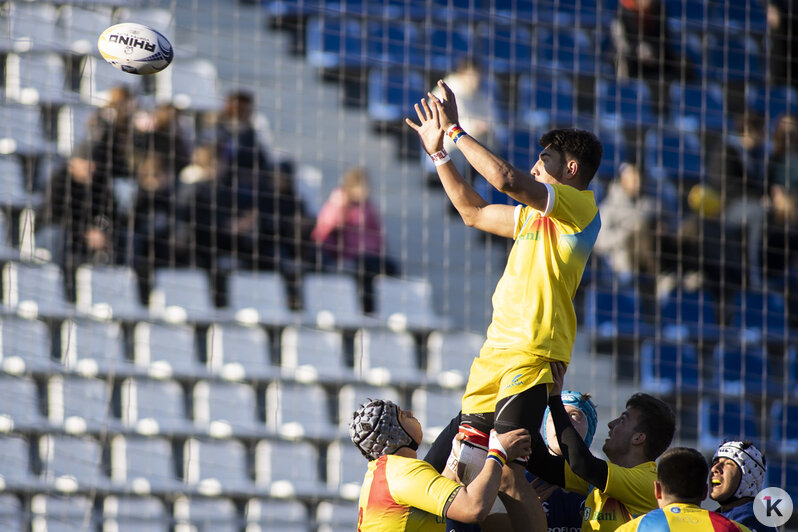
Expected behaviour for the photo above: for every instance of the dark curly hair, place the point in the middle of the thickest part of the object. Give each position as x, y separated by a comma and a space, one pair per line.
580, 144
656, 420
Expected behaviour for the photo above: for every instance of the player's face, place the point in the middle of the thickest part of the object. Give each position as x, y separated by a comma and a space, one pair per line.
549, 168
622, 430
578, 420
411, 425
724, 477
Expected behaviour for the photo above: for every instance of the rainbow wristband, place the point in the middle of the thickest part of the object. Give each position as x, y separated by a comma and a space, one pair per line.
455, 132
498, 456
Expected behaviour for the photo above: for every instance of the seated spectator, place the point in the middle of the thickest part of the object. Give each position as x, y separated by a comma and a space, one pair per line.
111, 131
159, 132
784, 157
240, 150
351, 234
680, 487
80, 214
737, 474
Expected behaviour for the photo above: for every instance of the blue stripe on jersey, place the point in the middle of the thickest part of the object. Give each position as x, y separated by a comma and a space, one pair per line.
586, 238
654, 521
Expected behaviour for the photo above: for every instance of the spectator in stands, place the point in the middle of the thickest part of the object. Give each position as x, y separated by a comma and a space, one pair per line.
239, 147
352, 236
111, 130
474, 103
153, 222
79, 208
782, 42
159, 132
784, 158
627, 213
622, 486
680, 487
400, 491
736, 476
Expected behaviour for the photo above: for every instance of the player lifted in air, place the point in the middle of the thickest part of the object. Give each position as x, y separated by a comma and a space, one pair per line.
533, 322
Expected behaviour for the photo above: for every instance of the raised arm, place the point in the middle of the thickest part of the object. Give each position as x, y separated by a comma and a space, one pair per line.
517, 184
473, 209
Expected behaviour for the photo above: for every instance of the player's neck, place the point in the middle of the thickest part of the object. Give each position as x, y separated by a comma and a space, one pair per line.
725, 507
407, 452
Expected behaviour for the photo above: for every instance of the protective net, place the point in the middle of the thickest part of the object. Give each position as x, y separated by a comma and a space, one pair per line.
206, 270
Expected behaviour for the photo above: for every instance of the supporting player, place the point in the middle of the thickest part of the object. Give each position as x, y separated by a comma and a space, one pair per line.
680, 487
534, 322
401, 492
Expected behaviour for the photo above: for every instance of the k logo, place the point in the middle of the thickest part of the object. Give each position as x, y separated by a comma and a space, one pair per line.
772, 507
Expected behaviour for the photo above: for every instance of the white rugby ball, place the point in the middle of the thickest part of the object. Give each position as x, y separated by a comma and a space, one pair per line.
135, 48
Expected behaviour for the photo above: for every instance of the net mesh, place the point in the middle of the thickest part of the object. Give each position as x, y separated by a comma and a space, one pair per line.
205, 271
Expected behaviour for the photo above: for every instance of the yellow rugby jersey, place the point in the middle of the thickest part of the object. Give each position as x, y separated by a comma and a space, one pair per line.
533, 307
679, 517
628, 494
404, 495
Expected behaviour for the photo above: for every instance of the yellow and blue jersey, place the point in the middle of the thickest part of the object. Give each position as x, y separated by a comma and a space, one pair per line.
682, 518
402, 494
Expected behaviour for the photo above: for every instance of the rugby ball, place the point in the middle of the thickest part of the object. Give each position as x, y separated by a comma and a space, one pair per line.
135, 48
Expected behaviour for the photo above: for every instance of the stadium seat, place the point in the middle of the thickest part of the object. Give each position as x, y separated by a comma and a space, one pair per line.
35, 290
351, 396
15, 469
154, 407
29, 27
719, 420
216, 466
190, 84
526, 11
96, 81
783, 421
669, 368
186, 289
72, 127
546, 101
734, 58
262, 294
674, 155
564, 51
91, 347
34, 79
407, 304
332, 300
19, 404
273, 515
109, 291
698, 109
394, 43
22, 131
689, 315
689, 15
12, 514
217, 514
134, 514
7, 250
392, 93
69, 462
613, 154
448, 45
504, 49
346, 467
435, 408
334, 516
743, 16
166, 349
25, 346
80, 403
783, 473
145, 464
624, 104
383, 357
288, 469
311, 354
450, 354
79, 27
772, 102
295, 409
611, 313
334, 43
757, 316
226, 408
741, 369
238, 352
62, 513
14, 187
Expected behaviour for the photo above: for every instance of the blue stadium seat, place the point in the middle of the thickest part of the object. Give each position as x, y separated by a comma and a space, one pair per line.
239, 351
289, 468
525, 11
262, 294
92, 347
12, 514
744, 369
332, 300
109, 291
62, 513
384, 356
30, 26
697, 108
757, 316
772, 101
26, 346
226, 408
333, 43
689, 315
144, 463
80, 403
36, 79
35, 290
269, 515
134, 514
296, 409
720, 419
152, 406
215, 466
15, 471
19, 403
192, 84
70, 462
165, 349
394, 43
689, 15
392, 92
783, 421
783, 473
565, 51
346, 468
206, 513
415, 10
78, 26
311, 354
744, 16
448, 45
284, 10
624, 104
504, 48
434, 408
546, 101
407, 304
611, 313
669, 368
186, 289
735, 58
613, 154
450, 354
674, 155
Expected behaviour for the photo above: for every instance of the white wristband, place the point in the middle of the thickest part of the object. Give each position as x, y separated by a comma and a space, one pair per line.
494, 443
440, 158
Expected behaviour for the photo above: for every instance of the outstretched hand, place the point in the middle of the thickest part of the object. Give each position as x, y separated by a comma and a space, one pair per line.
430, 130
558, 373
447, 106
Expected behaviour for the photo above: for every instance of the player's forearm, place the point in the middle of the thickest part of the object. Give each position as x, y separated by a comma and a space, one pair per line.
465, 199
574, 448
545, 465
473, 502
498, 172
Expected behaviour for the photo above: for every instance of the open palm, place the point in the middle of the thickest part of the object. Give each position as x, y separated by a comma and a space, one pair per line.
430, 129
